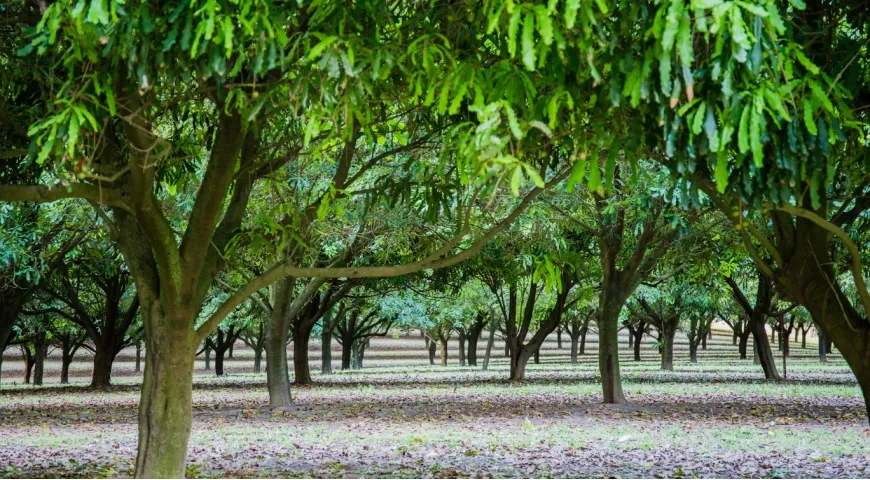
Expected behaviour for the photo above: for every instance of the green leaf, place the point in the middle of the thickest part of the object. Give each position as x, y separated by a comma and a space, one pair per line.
571, 7
698, 120
809, 121
578, 171
821, 96
110, 100
529, 42
515, 181
775, 102
721, 173
594, 183
97, 12
513, 29
318, 49
743, 130
672, 24
756, 124
798, 4
545, 25
602, 5
806, 62
738, 29
72, 134
534, 176
685, 41
513, 123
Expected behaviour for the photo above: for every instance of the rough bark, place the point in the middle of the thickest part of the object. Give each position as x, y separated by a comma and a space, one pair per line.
277, 330
102, 374
326, 351
40, 352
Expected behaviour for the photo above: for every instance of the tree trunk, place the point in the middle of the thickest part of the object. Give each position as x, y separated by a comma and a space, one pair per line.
326, 352
208, 358
230, 352
432, 348
762, 347
507, 349
823, 352
277, 330
668, 334
461, 350
443, 352
538, 356
693, 351
744, 340
630, 337
302, 374
583, 332
64, 369
703, 342
346, 354
28, 363
574, 341
219, 354
166, 407
102, 374
519, 360
559, 338
803, 339
637, 341
41, 352
138, 357
258, 360
359, 354
472, 350
608, 348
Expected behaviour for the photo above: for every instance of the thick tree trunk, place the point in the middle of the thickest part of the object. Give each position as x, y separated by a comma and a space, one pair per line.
326, 352
703, 342
574, 347
230, 352
507, 349
472, 350
668, 334
27, 356
538, 356
277, 330
693, 351
166, 407
359, 354
432, 348
102, 373
443, 343
608, 348
630, 337
461, 350
803, 339
64, 369
219, 362
346, 354
583, 333
302, 373
519, 360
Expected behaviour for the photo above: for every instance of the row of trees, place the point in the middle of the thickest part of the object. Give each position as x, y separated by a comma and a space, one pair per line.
283, 151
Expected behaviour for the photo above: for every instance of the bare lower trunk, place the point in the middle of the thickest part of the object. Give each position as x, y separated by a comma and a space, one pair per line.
823, 352
703, 342
637, 341
583, 341
302, 374
559, 338
443, 352
39, 360
326, 352
102, 374
472, 350
208, 358
803, 339
537, 356
668, 348
693, 352
219, 362
258, 360
574, 348
138, 357
608, 351
166, 407
744, 341
762, 347
277, 373
64, 370
432, 348
462, 350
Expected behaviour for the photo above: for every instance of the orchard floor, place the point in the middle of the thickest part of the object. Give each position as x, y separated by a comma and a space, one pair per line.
710, 419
